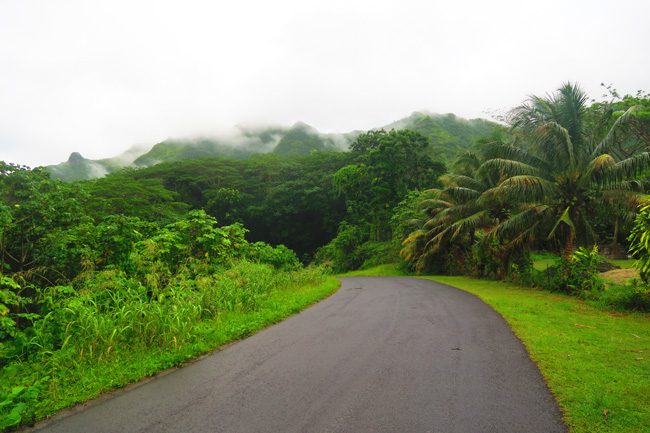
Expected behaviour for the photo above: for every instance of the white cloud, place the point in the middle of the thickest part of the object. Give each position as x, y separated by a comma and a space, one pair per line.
98, 76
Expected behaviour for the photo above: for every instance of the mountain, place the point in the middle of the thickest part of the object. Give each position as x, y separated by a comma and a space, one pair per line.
302, 139
79, 168
239, 144
450, 135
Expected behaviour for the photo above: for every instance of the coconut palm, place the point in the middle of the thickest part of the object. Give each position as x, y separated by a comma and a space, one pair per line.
457, 212
559, 172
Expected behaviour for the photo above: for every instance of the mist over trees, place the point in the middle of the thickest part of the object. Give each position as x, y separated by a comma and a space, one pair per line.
449, 135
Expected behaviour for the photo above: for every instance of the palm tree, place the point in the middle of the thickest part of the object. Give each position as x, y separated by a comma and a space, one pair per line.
558, 172
457, 212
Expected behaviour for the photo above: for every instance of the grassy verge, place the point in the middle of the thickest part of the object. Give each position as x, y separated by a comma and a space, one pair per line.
624, 263
68, 384
543, 260
597, 363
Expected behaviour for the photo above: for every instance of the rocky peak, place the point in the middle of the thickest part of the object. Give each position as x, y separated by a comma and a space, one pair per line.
75, 157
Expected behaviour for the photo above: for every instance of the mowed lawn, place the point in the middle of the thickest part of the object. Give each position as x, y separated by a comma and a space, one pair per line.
597, 363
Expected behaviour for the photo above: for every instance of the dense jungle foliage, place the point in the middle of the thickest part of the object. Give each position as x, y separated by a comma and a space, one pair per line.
571, 174
154, 258
95, 273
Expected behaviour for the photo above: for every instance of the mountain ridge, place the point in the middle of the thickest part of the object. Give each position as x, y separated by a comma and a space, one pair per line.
448, 133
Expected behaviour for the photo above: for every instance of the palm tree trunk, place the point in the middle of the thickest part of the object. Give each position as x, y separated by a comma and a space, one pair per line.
614, 241
568, 247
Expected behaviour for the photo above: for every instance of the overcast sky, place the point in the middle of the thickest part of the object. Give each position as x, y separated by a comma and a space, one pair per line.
99, 76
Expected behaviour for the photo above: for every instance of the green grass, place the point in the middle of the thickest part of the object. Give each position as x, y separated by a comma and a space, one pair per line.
623, 263
389, 270
597, 363
543, 260
70, 385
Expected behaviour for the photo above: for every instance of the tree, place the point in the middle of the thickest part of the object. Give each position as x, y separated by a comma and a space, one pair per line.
459, 214
32, 206
559, 171
387, 166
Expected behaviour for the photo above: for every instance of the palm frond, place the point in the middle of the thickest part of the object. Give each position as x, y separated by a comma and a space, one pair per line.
508, 167
564, 218
519, 223
610, 139
452, 213
619, 200
461, 195
630, 167
464, 181
435, 242
571, 105
520, 189
516, 154
471, 222
467, 163
434, 203
597, 167
633, 186
551, 135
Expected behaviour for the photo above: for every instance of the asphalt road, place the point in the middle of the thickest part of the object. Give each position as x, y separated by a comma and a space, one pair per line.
382, 355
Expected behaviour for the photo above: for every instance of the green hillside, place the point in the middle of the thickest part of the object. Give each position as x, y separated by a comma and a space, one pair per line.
79, 168
449, 136
179, 150
302, 139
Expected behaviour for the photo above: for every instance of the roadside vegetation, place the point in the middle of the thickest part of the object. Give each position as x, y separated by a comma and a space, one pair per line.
571, 179
386, 270
521, 220
92, 301
109, 280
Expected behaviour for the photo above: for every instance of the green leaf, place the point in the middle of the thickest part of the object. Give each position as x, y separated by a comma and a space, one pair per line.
565, 218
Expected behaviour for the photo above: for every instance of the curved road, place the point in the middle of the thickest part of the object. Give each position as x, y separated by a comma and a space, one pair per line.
383, 354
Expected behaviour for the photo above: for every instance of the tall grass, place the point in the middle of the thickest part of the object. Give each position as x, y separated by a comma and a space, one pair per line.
113, 319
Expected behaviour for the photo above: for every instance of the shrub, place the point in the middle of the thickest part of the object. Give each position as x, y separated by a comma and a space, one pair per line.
631, 296
378, 253
280, 257
578, 275
18, 404
640, 242
9, 302
342, 252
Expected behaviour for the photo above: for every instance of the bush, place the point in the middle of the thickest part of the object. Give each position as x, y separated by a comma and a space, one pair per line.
452, 261
19, 403
280, 257
577, 276
640, 242
631, 296
342, 253
378, 253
